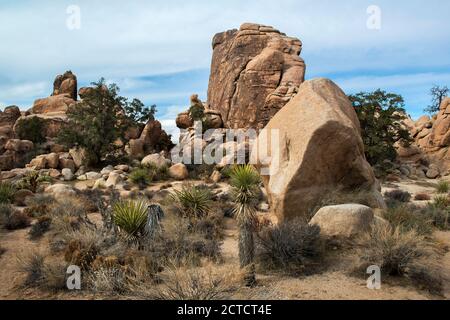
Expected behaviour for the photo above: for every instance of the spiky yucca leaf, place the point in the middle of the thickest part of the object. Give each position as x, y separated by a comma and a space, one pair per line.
131, 218
193, 201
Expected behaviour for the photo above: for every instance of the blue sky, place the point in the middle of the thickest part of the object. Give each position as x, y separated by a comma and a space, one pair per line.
160, 51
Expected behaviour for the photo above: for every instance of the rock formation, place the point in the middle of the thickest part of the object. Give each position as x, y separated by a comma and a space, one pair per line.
255, 71
429, 153
320, 150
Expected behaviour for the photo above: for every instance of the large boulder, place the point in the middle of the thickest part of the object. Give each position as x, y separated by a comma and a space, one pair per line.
51, 123
53, 104
157, 160
8, 118
60, 191
65, 84
319, 150
178, 171
347, 220
255, 71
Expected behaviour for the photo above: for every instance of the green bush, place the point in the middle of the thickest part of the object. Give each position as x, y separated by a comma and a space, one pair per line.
32, 129
7, 192
131, 218
441, 201
443, 187
398, 195
439, 217
141, 177
193, 202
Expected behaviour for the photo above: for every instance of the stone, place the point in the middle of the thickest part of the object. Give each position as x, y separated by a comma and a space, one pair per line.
67, 174
107, 170
54, 104
38, 163
99, 184
92, 175
52, 122
21, 196
346, 221
156, 160
184, 121
178, 172
54, 173
113, 179
213, 120
253, 75
122, 167
17, 145
60, 191
65, 84
433, 173
52, 160
216, 176
319, 151
79, 156
135, 149
67, 164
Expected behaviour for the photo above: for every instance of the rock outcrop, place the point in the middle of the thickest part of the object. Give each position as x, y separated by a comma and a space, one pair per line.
65, 84
255, 71
320, 150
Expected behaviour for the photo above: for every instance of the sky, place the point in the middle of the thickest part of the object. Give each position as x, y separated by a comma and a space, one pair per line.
160, 51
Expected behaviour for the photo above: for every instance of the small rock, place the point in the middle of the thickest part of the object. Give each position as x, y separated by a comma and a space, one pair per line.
216, 176
113, 179
67, 174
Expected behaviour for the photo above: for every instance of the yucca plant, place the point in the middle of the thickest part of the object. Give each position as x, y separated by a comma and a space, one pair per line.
194, 202
245, 182
443, 187
7, 192
131, 219
441, 201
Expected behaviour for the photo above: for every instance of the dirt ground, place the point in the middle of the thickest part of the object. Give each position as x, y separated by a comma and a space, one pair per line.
334, 284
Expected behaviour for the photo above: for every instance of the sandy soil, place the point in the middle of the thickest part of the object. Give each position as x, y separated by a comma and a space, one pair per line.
334, 284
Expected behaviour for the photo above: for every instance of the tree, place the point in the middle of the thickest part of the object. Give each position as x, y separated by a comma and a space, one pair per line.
100, 119
437, 94
245, 183
380, 115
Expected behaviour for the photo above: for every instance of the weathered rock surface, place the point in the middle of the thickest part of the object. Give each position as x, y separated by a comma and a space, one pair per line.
178, 172
65, 84
156, 160
320, 150
52, 104
347, 220
255, 71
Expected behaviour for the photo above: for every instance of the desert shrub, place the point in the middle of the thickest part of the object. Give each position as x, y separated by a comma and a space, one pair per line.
193, 202
398, 195
141, 177
32, 129
39, 205
40, 227
32, 180
200, 171
437, 216
68, 213
209, 226
131, 218
47, 275
112, 280
441, 201
158, 173
408, 217
400, 253
226, 171
422, 197
7, 191
292, 247
82, 248
443, 187
5, 211
17, 220
179, 284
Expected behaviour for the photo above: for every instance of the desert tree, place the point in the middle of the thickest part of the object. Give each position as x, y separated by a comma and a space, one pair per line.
245, 183
380, 115
102, 117
437, 94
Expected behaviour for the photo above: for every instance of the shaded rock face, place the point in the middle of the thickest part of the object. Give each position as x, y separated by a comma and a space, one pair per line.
320, 150
255, 71
8, 118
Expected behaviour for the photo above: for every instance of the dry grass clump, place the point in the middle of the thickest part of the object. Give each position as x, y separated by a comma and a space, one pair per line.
292, 247
12, 219
39, 205
439, 217
43, 273
441, 201
402, 253
398, 196
192, 284
7, 191
409, 217
40, 227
